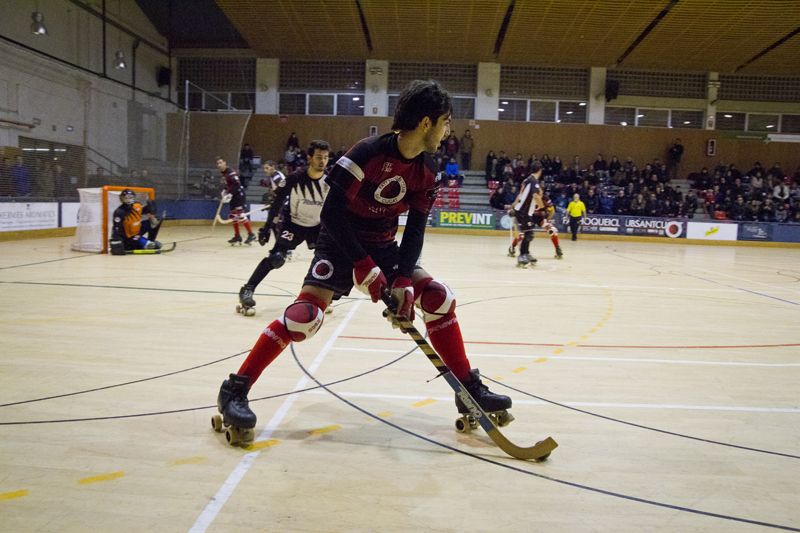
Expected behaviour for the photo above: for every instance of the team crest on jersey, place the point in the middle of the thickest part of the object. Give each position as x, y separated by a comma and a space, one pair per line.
322, 269
391, 191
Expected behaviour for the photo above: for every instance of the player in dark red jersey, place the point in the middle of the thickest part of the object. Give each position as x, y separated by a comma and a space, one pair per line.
370, 186
233, 187
533, 208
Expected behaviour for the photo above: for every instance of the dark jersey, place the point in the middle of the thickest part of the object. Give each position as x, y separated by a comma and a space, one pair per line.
299, 199
128, 220
525, 204
380, 184
231, 183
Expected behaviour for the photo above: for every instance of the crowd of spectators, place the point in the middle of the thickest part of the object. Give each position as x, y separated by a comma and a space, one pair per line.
618, 187
759, 194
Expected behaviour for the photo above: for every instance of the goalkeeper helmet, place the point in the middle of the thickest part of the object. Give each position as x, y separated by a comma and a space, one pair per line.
127, 197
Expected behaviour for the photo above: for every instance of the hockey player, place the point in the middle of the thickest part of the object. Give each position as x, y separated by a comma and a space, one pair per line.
297, 202
533, 208
135, 226
233, 190
371, 185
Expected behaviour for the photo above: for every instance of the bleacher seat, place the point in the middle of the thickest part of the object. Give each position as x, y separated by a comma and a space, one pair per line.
439, 202
453, 193
454, 203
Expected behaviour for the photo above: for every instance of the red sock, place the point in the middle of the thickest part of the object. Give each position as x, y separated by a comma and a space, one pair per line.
247, 226
235, 229
554, 240
445, 335
272, 341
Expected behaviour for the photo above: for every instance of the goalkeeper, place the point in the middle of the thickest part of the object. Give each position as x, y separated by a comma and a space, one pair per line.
297, 204
135, 226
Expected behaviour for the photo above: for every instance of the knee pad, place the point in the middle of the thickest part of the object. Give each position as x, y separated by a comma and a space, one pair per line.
303, 319
435, 299
551, 229
276, 259
117, 247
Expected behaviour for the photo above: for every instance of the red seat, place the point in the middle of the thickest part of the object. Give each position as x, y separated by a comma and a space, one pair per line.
454, 203
439, 202
453, 193
452, 183
493, 184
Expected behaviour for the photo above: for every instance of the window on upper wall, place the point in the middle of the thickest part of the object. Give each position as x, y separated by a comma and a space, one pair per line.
730, 121
512, 110
766, 123
620, 116
292, 104
686, 119
542, 111
652, 117
350, 104
572, 112
790, 123
320, 104
463, 107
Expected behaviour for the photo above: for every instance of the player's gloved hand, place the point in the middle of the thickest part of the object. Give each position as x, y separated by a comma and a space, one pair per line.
368, 278
263, 235
403, 296
226, 198
512, 212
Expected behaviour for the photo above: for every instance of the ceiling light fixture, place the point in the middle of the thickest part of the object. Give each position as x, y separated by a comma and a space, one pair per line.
37, 26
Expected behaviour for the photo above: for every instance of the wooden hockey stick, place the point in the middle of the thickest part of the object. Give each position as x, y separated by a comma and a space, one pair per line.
216, 215
239, 218
540, 451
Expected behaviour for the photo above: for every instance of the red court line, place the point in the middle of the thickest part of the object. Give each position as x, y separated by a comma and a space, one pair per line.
653, 347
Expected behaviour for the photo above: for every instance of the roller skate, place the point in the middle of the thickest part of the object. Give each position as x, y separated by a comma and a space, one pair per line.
236, 239
236, 419
250, 238
512, 251
559, 253
246, 305
495, 405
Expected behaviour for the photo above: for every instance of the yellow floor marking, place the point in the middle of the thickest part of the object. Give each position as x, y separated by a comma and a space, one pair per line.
101, 478
261, 444
583, 337
13, 494
385, 414
520, 369
572, 343
188, 460
558, 351
326, 429
423, 403
540, 360
593, 330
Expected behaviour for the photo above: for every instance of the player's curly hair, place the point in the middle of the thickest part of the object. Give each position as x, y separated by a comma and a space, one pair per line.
420, 99
318, 145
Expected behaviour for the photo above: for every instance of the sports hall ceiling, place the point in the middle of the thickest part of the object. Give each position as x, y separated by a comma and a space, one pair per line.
746, 36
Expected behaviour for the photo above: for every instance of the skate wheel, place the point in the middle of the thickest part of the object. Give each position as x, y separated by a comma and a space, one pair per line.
504, 419
473, 424
250, 311
329, 310
461, 426
238, 308
216, 423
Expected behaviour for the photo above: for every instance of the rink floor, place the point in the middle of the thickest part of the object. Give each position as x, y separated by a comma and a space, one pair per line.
667, 373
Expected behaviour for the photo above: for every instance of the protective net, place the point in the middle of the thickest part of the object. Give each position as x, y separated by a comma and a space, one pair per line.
95, 215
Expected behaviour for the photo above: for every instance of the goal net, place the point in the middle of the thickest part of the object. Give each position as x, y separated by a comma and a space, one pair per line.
95, 212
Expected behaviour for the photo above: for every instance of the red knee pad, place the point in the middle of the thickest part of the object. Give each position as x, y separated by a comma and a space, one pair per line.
434, 298
304, 317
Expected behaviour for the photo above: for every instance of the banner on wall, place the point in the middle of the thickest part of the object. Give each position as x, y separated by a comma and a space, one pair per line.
69, 214
711, 231
17, 216
755, 231
465, 219
656, 227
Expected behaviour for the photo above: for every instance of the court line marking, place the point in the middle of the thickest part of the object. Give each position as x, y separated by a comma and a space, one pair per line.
216, 504
622, 405
601, 359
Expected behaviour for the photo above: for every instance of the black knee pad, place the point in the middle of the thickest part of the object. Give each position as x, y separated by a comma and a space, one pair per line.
276, 259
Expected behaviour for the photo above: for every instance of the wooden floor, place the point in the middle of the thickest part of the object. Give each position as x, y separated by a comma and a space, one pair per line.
668, 374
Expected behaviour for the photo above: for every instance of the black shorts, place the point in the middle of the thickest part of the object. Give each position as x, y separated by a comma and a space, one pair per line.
333, 270
527, 223
289, 236
237, 201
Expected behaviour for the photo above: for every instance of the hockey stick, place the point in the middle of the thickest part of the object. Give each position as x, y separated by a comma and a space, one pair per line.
152, 251
216, 215
540, 451
239, 218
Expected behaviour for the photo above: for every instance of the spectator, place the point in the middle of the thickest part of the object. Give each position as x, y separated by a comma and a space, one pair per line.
781, 191
451, 171
606, 203
782, 213
691, 203
489, 168
209, 186
20, 178
246, 164
500, 165
292, 141
638, 206
45, 181
467, 145
592, 202
767, 211
614, 166
621, 203
451, 146
738, 210
5, 177
497, 200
